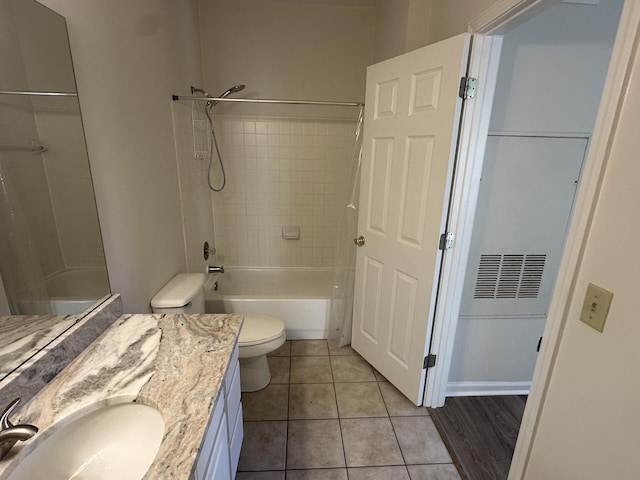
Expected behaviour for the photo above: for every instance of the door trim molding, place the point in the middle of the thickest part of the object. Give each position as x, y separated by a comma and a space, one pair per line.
504, 15
483, 64
613, 95
466, 389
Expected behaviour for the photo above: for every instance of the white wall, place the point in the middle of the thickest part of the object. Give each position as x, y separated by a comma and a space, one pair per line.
391, 28
129, 57
553, 67
401, 26
590, 424
287, 49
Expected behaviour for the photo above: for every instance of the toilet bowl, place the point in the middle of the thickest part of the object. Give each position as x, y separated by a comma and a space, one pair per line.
260, 335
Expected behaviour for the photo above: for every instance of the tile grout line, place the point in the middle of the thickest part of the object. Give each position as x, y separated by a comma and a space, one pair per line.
392, 427
344, 450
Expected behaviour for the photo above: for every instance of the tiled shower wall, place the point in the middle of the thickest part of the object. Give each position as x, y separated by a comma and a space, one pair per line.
281, 171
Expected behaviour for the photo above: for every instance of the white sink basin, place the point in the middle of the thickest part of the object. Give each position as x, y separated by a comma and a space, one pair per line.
115, 442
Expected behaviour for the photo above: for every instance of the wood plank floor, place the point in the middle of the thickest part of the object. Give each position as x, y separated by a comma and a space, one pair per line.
480, 433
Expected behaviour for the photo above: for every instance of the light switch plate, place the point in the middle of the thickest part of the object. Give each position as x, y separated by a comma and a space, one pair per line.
596, 306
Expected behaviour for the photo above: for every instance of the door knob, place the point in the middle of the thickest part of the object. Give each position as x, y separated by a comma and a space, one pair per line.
359, 241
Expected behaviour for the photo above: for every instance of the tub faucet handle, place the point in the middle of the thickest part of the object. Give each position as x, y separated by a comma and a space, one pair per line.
214, 269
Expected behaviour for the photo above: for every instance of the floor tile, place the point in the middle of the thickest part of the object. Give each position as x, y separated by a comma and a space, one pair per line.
420, 441
264, 446
336, 349
397, 404
379, 376
370, 442
312, 400
279, 368
351, 369
314, 444
445, 471
260, 475
309, 347
318, 474
361, 399
269, 403
311, 370
283, 351
378, 473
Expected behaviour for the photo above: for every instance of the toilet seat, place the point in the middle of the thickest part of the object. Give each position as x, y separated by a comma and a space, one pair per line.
258, 329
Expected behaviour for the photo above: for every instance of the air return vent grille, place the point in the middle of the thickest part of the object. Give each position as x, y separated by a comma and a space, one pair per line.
509, 276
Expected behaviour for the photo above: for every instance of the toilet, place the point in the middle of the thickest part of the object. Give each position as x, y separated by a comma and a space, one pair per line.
260, 334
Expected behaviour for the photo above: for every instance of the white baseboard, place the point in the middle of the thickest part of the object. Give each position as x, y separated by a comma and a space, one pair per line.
470, 389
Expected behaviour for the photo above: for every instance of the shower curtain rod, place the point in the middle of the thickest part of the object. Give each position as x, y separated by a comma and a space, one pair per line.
45, 94
258, 100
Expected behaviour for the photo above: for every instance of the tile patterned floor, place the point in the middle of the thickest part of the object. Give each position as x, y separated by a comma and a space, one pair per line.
328, 415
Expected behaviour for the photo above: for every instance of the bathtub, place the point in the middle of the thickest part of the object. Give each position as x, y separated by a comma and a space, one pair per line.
299, 297
75, 290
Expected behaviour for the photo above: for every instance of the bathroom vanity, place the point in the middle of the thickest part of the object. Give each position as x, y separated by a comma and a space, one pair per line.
184, 366
220, 450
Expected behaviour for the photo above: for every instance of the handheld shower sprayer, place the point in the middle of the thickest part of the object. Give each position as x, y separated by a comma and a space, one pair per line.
226, 93
214, 142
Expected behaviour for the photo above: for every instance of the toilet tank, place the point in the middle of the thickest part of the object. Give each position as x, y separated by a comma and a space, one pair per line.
183, 294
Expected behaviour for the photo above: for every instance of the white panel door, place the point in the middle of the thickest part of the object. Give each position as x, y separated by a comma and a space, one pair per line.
410, 133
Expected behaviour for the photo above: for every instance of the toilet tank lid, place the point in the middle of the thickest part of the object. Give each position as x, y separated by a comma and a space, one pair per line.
180, 290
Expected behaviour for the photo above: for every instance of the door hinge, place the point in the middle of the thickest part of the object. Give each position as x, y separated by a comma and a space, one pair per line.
429, 361
446, 241
467, 87
539, 345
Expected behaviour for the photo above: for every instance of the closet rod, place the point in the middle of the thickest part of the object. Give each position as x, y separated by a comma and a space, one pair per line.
44, 94
258, 100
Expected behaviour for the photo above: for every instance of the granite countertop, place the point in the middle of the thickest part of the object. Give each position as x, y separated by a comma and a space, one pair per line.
175, 363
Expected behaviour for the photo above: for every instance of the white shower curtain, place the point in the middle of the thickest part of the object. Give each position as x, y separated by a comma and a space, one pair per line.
341, 312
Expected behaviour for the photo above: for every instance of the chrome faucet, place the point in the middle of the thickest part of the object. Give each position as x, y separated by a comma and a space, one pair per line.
10, 433
211, 269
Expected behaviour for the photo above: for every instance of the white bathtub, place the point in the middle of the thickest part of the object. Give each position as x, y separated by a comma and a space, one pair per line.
73, 291
299, 297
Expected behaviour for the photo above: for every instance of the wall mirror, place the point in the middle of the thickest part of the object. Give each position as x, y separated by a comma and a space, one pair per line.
51, 256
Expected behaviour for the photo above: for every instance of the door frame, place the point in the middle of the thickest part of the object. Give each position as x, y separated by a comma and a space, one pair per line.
503, 15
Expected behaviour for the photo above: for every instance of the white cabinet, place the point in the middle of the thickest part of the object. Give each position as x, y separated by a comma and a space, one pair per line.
220, 449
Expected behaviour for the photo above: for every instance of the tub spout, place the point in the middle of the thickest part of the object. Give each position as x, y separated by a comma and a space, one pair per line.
213, 269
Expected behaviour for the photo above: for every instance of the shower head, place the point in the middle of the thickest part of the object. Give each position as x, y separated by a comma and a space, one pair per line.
234, 89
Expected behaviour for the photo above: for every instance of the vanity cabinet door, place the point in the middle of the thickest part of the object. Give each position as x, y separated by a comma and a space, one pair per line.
217, 423
236, 443
219, 468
